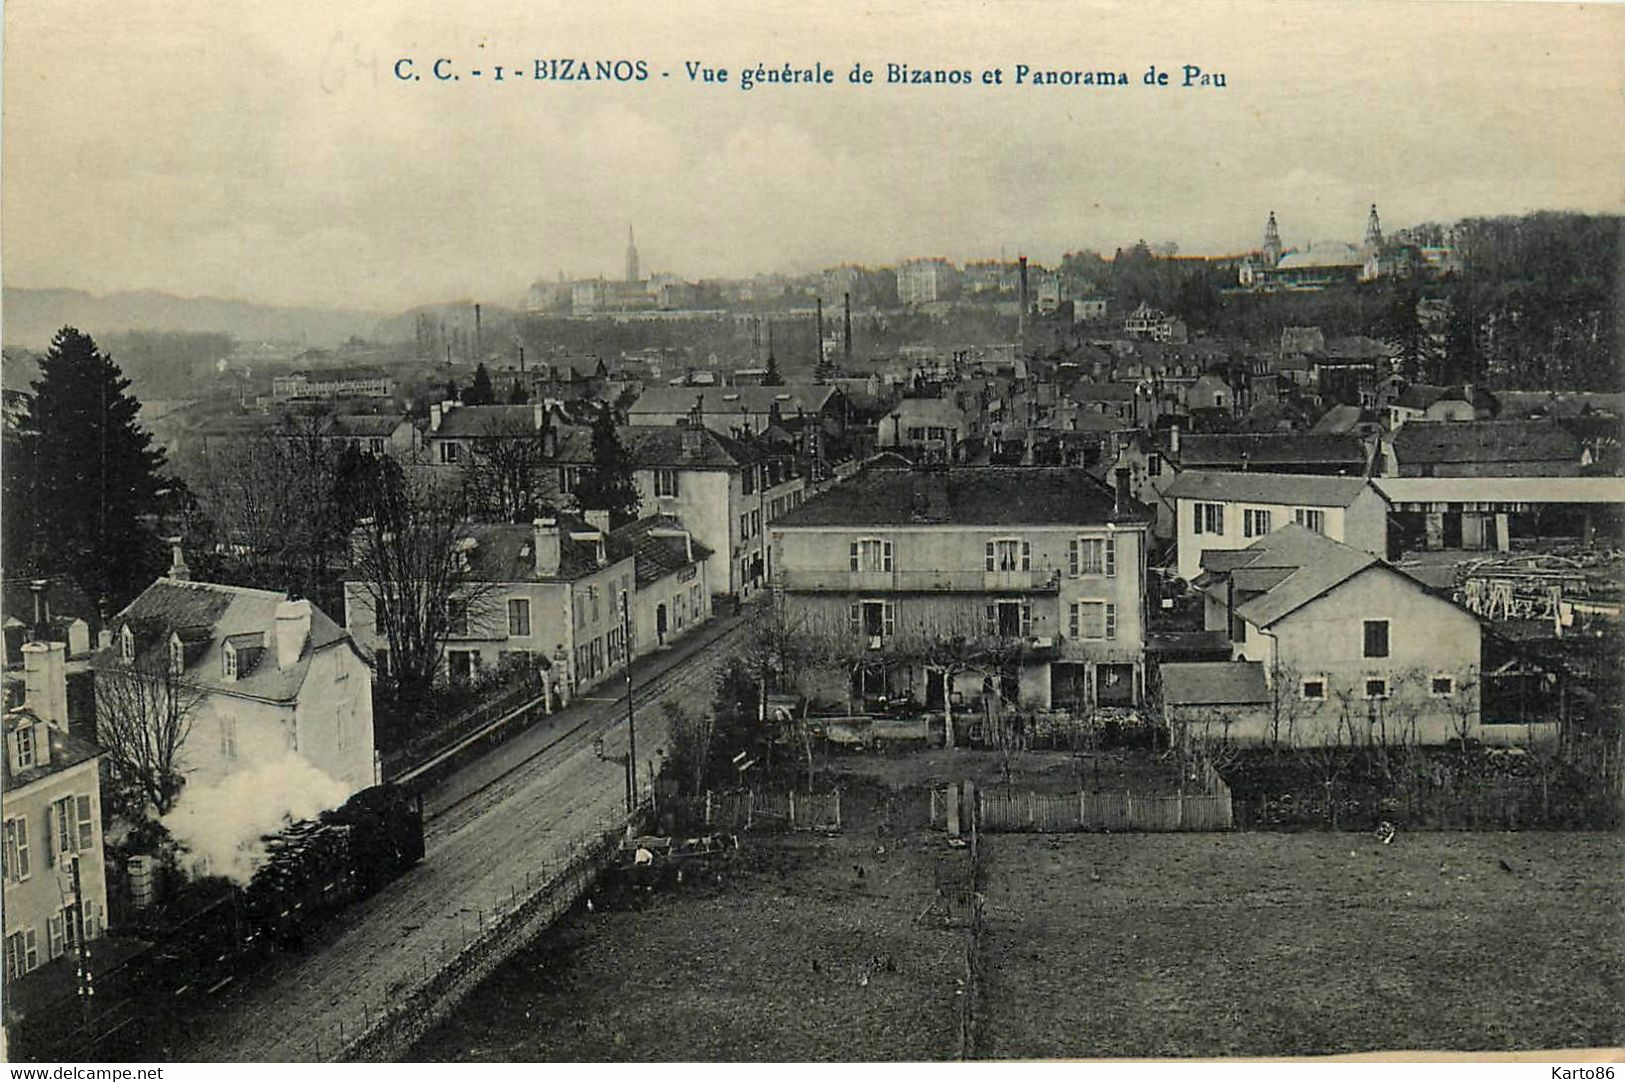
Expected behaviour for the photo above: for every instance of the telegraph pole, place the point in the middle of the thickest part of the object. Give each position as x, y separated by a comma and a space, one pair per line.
631, 728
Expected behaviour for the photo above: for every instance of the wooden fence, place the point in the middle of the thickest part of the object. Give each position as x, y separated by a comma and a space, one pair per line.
1056, 813
753, 809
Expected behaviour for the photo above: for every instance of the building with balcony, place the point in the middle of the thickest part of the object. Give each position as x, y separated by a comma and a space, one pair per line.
970, 585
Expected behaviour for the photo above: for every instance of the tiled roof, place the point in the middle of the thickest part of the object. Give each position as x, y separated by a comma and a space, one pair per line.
662, 445
1265, 449
208, 614
721, 401
505, 552
1314, 490
476, 421
1424, 442
1213, 683
1088, 391
969, 496
656, 556
1287, 569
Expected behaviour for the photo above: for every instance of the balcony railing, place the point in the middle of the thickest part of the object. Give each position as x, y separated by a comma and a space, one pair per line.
843, 580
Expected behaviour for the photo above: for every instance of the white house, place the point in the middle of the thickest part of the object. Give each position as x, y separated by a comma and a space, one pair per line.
272, 674
1222, 511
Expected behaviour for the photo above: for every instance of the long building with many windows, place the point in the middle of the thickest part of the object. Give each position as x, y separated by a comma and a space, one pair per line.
1027, 584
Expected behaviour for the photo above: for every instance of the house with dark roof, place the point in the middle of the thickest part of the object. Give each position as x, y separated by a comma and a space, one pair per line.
1284, 452
47, 610
1431, 402
740, 410
549, 594
55, 889
1039, 571
1539, 448
725, 490
455, 431
1223, 510
1330, 645
271, 676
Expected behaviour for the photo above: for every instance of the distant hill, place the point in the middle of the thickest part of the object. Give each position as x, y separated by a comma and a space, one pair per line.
29, 317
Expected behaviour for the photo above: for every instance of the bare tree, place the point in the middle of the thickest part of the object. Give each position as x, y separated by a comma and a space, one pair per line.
144, 713
1465, 706
410, 554
688, 736
503, 471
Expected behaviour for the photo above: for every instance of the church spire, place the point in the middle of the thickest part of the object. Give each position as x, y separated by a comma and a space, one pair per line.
1272, 241
1373, 231
631, 256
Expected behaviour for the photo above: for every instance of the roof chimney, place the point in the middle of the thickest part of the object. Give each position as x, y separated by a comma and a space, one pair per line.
546, 542
1120, 496
538, 415
1173, 441
45, 681
177, 561
597, 518
42, 601
292, 629
435, 416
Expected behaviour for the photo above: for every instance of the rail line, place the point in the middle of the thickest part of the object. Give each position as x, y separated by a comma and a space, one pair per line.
656, 687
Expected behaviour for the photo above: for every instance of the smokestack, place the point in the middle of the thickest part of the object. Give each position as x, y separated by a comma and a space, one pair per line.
846, 343
521, 360
820, 302
1022, 272
546, 542
177, 561
45, 681
478, 355
292, 629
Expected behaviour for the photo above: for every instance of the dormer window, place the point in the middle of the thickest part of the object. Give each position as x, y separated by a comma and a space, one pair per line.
126, 644
229, 662
177, 655
25, 746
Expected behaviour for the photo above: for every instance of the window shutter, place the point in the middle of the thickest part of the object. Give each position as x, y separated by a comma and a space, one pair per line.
992, 619
856, 618
30, 950
1072, 620
86, 828
53, 934
1111, 556
886, 552
990, 564
1026, 555
1111, 620
1218, 518
1196, 518
1072, 558
50, 836
1026, 618
853, 549
889, 615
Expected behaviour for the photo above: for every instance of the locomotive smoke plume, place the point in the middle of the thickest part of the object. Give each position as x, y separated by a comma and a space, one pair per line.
225, 822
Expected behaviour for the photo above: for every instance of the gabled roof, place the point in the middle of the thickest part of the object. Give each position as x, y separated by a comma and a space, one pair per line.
1433, 442
206, 614
1305, 489
1272, 449
722, 401
655, 555
1286, 570
66, 751
1213, 683
1339, 419
966, 496
505, 552
1089, 391
476, 421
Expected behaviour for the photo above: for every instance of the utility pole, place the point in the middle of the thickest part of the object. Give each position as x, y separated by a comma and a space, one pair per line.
87, 988
631, 727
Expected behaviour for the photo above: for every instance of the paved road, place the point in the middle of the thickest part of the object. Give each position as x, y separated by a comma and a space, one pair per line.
509, 814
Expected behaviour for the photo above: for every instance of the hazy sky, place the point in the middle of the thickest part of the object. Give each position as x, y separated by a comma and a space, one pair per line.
266, 150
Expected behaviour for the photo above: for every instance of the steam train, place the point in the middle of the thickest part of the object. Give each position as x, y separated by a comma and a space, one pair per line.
213, 932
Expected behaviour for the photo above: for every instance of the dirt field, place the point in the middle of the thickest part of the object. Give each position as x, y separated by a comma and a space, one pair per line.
792, 957
1293, 944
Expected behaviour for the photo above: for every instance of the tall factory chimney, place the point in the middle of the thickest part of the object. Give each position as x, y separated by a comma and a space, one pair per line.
820, 302
1022, 324
478, 355
846, 342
